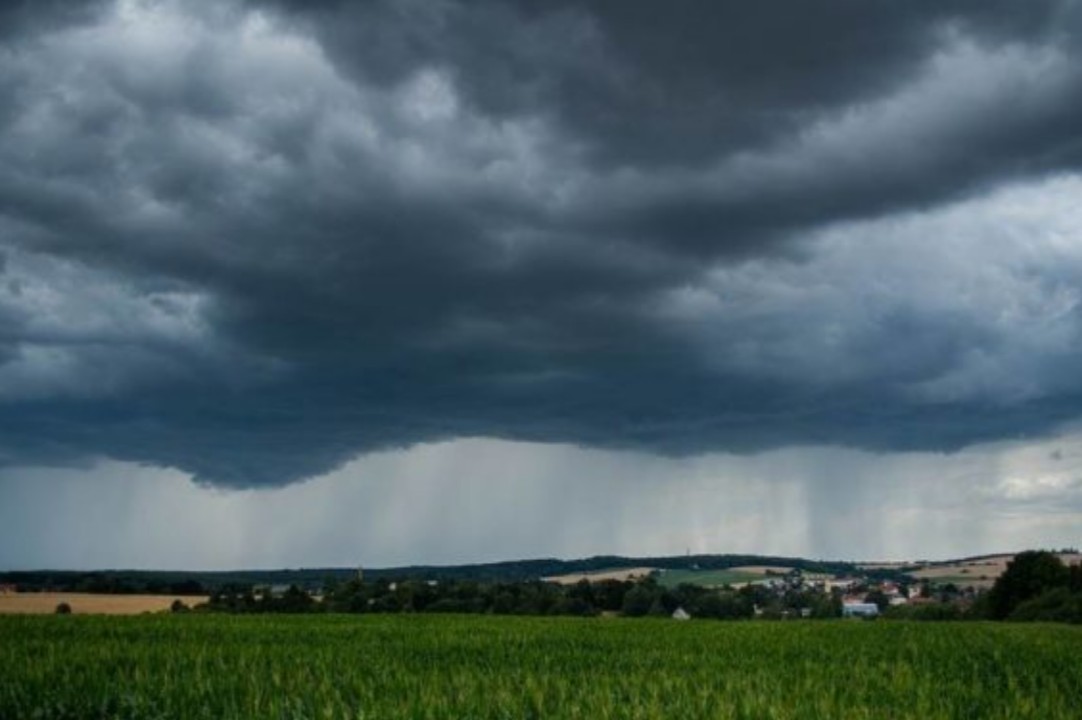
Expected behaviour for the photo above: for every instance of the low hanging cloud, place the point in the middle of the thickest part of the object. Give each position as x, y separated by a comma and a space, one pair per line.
254, 240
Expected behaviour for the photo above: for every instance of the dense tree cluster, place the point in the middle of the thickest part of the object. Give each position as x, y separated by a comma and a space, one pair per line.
632, 599
1037, 585
108, 582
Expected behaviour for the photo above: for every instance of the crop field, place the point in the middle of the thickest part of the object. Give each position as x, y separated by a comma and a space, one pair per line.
90, 603
310, 666
709, 578
620, 574
979, 572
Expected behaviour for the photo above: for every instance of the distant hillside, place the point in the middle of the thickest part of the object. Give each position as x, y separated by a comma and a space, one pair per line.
197, 582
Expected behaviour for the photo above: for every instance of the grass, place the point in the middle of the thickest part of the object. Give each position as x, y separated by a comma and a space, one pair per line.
231, 667
963, 580
708, 578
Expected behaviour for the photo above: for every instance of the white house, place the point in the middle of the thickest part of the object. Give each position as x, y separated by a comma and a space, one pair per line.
860, 609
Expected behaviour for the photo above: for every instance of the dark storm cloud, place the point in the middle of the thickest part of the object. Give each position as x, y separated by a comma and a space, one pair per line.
688, 87
668, 87
254, 240
18, 17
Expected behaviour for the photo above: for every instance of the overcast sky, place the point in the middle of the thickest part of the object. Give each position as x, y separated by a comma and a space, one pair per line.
293, 283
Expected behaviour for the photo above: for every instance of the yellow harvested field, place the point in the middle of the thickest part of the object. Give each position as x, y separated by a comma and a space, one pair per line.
884, 565
983, 571
90, 604
622, 575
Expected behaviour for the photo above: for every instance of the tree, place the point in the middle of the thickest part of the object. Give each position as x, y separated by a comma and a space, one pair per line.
708, 605
1056, 605
582, 591
63, 609
1028, 575
879, 598
504, 603
826, 606
294, 600
638, 600
609, 594
657, 608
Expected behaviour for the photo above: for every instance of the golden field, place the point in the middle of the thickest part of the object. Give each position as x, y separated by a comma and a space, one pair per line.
622, 575
89, 603
979, 573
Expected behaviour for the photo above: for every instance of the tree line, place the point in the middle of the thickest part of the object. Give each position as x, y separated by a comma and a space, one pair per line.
632, 599
1036, 585
510, 571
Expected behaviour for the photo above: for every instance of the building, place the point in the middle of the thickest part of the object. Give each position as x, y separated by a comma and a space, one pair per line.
860, 609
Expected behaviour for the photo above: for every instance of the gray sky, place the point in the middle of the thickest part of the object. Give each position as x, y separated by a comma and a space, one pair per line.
290, 283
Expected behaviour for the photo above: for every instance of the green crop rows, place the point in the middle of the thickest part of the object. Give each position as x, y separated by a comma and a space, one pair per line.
221, 667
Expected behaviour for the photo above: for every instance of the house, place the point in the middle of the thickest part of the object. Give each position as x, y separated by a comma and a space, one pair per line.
860, 609
680, 614
275, 591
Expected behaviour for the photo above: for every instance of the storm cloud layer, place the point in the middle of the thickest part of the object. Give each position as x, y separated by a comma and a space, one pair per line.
254, 240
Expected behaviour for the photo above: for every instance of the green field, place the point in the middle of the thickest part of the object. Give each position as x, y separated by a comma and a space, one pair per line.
221, 667
708, 578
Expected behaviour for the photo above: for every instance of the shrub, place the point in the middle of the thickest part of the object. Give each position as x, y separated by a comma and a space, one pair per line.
1058, 605
928, 612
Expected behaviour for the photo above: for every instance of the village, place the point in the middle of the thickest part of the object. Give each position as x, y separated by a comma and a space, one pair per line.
863, 597
761, 592
702, 587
